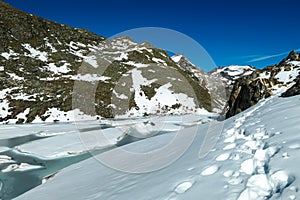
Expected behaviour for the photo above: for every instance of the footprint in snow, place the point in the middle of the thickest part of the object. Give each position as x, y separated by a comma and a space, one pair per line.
191, 169
183, 187
285, 155
234, 177
294, 146
235, 180
210, 170
229, 146
223, 157
262, 186
294, 189
228, 173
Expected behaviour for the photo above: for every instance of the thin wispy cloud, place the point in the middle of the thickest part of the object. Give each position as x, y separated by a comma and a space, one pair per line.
270, 56
250, 56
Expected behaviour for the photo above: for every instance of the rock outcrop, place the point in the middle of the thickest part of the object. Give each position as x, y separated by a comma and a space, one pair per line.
281, 79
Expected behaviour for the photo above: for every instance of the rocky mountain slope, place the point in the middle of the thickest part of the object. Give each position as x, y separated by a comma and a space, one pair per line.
34, 54
219, 81
222, 80
52, 72
282, 78
41, 61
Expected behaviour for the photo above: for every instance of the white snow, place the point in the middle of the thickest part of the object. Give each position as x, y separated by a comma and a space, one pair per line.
92, 60
294, 146
55, 114
236, 71
48, 44
251, 169
16, 77
223, 157
123, 55
4, 103
229, 146
87, 77
183, 187
158, 60
176, 58
287, 76
1, 68
265, 75
295, 63
35, 53
262, 186
58, 70
210, 170
20, 167
248, 166
22, 115
138, 65
120, 96
7, 55
164, 96
228, 173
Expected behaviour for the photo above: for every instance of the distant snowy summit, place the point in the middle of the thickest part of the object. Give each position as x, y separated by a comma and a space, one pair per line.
233, 72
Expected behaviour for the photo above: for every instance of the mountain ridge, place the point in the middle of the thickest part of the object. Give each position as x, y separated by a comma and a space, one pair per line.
41, 61
281, 79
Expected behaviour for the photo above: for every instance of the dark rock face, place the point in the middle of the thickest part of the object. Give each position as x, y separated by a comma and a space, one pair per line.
246, 92
294, 90
293, 56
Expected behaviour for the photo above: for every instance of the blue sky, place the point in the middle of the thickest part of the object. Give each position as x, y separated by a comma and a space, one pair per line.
257, 33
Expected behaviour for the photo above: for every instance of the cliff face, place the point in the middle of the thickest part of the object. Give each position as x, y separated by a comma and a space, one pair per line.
246, 92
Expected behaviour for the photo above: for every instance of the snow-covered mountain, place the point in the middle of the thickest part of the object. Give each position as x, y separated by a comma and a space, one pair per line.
231, 73
194, 71
41, 61
219, 81
282, 78
50, 72
222, 80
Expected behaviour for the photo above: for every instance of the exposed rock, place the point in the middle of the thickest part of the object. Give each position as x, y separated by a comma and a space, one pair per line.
41, 61
294, 90
248, 90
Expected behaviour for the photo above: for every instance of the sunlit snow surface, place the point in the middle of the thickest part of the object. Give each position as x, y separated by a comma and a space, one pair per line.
257, 156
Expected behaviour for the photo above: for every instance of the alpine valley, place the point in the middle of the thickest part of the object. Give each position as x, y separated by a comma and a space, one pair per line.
61, 86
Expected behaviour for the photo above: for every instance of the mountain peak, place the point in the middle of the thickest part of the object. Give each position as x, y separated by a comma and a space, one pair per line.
282, 79
176, 58
293, 56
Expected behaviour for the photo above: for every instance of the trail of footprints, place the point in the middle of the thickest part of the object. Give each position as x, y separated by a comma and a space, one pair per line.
260, 182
